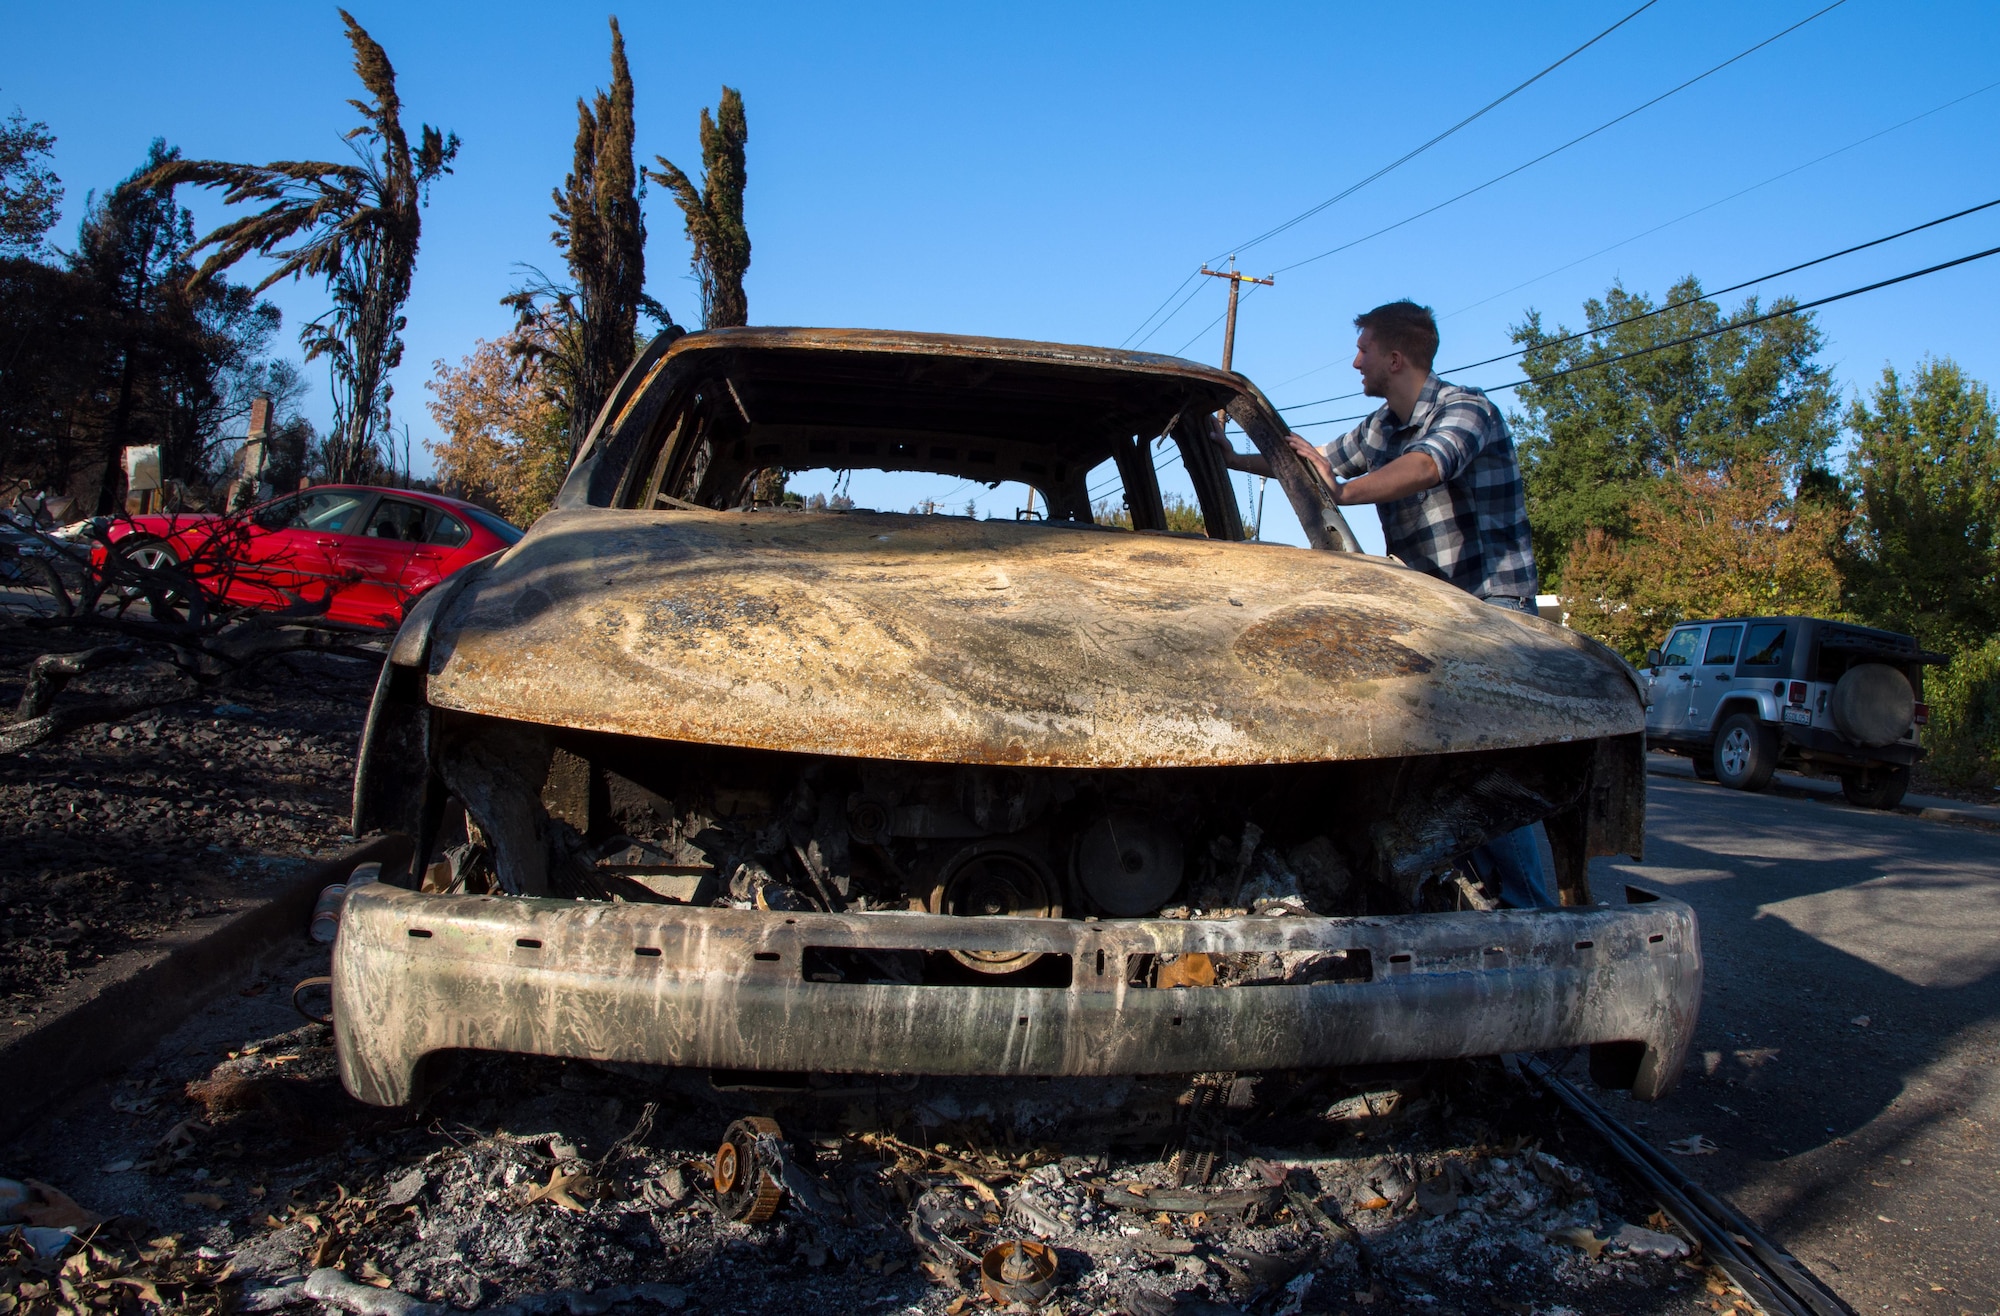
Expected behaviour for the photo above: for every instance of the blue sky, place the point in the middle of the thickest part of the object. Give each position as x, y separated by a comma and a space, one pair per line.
1053, 171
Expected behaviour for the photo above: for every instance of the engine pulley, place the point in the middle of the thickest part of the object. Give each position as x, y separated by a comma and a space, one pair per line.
750, 1170
992, 879
1129, 863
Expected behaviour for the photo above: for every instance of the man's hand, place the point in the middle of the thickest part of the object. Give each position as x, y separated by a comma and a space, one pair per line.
1314, 458
1253, 462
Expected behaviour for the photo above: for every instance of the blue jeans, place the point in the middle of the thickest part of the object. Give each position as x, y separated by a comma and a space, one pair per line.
1517, 861
1515, 858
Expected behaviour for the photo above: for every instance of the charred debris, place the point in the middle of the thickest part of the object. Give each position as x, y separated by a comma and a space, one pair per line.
551, 1188
601, 817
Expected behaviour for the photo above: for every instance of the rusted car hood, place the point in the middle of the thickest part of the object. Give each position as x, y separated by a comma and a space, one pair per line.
944, 640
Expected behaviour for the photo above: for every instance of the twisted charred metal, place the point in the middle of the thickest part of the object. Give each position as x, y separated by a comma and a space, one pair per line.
939, 639
802, 749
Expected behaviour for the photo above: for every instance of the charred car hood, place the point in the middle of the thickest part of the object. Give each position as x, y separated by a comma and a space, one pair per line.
937, 639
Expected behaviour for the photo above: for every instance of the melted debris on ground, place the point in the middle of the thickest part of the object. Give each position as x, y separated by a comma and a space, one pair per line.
537, 1186
118, 832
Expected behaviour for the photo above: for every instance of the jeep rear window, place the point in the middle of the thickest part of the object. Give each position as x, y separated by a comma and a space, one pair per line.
1722, 644
1766, 645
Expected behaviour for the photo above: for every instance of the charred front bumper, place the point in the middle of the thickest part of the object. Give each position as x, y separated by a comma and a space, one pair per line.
420, 975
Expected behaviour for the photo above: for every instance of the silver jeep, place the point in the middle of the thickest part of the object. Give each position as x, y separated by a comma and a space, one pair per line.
1744, 696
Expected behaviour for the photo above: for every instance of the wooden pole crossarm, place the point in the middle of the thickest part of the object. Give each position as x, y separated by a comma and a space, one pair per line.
1239, 277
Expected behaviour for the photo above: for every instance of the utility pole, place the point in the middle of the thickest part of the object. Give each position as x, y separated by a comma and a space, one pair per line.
1236, 281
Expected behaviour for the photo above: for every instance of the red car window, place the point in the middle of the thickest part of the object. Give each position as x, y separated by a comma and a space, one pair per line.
449, 532
398, 520
327, 510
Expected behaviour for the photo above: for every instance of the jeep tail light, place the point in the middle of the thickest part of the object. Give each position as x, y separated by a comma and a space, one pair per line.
1923, 718
1798, 693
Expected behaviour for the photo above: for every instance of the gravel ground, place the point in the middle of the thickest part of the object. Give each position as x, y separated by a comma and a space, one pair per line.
233, 1159
119, 832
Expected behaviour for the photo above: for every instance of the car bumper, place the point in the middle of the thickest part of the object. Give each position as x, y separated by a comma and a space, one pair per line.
1829, 747
419, 975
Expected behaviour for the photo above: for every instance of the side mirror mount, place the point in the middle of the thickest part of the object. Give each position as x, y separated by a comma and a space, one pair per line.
1653, 658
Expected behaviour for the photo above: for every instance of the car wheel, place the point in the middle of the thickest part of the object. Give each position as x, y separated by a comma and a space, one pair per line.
1746, 753
151, 556
1876, 788
1704, 767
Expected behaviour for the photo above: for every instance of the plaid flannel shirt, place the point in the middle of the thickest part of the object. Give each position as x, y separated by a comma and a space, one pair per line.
1472, 528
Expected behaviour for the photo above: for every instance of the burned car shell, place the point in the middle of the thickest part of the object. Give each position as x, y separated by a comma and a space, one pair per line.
657, 623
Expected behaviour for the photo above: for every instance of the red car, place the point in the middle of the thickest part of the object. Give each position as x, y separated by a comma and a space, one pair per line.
375, 550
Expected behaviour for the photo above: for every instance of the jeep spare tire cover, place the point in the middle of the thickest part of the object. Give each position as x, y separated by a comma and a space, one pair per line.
1873, 704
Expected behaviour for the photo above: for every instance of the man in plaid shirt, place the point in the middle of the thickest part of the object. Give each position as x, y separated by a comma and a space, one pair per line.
1436, 458
1439, 464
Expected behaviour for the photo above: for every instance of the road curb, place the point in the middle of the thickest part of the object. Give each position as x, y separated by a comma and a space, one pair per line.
123, 1009
1976, 814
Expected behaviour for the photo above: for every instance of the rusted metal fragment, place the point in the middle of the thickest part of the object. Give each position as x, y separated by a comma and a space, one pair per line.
417, 975
1187, 1201
946, 640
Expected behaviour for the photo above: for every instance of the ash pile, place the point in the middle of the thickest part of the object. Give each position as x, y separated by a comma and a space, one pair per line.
546, 1187
118, 832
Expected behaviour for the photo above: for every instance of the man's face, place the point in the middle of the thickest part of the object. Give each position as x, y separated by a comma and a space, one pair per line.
1373, 363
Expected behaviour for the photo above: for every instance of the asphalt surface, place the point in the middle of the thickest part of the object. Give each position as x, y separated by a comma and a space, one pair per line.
1845, 1065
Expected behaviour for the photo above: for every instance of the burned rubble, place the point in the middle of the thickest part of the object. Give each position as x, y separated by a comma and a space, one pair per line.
118, 831
541, 1186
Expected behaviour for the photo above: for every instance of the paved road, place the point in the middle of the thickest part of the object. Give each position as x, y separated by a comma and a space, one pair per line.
1847, 1064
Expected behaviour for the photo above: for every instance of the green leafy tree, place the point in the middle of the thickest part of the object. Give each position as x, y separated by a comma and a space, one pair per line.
1925, 475
52, 358
1183, 515
585, 335
132, 249
1592, 442
714, 212
172, 348
30, 193
1963, 739
355, 226
1705, 543
107, 345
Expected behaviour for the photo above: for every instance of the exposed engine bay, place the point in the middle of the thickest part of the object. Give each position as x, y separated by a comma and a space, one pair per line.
600, 817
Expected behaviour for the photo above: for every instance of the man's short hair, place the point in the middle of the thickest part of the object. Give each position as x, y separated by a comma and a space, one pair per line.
1403, 327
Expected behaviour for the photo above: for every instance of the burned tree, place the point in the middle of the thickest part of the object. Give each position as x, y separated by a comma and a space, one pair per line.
171, 611
584, 336
714, 212
354, 225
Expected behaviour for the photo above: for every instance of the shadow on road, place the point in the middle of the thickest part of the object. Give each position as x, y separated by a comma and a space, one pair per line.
1844, 1063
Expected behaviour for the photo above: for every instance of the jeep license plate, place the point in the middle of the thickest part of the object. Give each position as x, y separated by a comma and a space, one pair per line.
1799, 716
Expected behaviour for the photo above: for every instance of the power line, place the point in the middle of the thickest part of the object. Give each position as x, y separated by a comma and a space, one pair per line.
1404, 159
1821, 159
1192, 294
1379, 173
1210, 325
1732, 327
1622, 242
1566, 145
1687, 301
1116, 478
1161, 307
